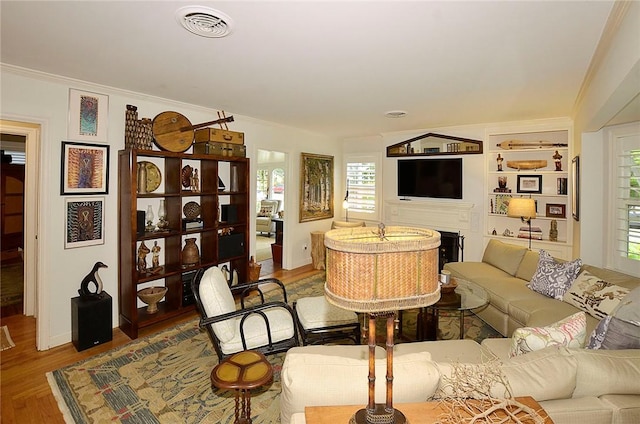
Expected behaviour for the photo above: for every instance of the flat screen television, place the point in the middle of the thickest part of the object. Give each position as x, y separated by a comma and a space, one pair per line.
436, 177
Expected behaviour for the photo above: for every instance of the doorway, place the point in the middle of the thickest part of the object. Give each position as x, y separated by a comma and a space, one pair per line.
29, 254
270, 201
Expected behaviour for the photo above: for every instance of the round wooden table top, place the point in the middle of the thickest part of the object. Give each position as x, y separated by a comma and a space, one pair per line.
244, 370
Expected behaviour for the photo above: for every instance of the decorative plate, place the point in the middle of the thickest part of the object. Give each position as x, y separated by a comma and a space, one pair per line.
191, 210
154, 176
187, 171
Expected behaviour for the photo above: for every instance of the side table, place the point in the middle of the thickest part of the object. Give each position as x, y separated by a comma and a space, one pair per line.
242, 372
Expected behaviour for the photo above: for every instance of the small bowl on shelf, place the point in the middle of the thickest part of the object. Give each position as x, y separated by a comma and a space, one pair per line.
151, 296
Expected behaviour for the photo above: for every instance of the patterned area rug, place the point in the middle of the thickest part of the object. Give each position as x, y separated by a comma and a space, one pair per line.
5, 339
164, 378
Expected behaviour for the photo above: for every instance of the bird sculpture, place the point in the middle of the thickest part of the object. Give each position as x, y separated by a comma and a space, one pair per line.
92, 277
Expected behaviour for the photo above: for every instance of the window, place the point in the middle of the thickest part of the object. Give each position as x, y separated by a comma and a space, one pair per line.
262, 184
626, 201
277, 184
363, 182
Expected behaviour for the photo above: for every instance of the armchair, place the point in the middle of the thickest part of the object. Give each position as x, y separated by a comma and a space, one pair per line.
266, 327
268, 210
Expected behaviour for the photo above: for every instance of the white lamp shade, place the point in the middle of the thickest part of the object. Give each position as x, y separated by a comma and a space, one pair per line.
522, 208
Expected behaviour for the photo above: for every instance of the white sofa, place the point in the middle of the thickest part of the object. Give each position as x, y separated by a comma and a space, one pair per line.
573, 386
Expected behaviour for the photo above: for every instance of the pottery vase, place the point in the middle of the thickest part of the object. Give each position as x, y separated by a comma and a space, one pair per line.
190, 253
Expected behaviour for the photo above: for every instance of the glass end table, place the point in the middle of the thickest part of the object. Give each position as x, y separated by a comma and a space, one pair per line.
465, 297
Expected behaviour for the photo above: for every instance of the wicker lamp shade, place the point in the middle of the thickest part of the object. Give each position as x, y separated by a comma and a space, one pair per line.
369, 273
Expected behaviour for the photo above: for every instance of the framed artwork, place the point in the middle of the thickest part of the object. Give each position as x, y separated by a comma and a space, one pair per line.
556, 210
85, 169
502, 203
529, 184
316, 187
88, 116
575, 188
84, 222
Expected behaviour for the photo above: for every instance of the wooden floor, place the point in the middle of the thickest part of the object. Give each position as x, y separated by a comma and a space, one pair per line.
24, 391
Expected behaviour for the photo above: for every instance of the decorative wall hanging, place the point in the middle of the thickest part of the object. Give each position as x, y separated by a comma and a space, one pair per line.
84, 222
316, 187
85, 169
88, 116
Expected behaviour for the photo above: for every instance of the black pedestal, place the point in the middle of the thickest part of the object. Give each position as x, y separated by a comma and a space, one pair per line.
91, 321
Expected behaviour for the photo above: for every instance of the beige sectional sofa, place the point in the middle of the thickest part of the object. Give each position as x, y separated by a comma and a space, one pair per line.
572, 385
505, 271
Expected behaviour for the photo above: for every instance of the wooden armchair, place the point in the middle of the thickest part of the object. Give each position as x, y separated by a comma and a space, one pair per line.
266, 327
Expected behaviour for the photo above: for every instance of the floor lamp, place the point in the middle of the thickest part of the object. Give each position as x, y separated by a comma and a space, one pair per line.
523, 208
379, 273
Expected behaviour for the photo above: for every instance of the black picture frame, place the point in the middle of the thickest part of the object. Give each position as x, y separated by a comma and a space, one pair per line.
84, 169
529, 184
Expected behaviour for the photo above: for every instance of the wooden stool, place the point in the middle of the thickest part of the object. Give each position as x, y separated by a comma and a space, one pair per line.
242, 372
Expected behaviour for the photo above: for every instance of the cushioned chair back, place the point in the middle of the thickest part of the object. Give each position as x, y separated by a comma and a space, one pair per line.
217, 299
269, 207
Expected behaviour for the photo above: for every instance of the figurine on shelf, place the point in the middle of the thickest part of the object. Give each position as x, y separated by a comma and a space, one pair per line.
155, 260
195, 181
499, 160
494, 232
143, 251
553, 232
556, 157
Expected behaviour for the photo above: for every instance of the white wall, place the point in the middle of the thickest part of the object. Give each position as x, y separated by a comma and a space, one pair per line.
33, 97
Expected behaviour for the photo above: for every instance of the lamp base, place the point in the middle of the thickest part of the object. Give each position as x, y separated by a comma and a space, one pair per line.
378, 416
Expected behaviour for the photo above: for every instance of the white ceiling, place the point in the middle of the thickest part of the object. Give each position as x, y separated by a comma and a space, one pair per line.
331, 67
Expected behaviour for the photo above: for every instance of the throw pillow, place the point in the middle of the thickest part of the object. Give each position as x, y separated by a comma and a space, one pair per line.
266, 211
621, 329
570, 332
593, 295
553, 278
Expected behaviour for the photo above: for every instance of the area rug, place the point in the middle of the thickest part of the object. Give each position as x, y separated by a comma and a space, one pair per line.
263, 248
5, 339
164, 378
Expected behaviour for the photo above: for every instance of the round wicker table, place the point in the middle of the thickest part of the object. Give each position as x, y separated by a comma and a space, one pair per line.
242, 372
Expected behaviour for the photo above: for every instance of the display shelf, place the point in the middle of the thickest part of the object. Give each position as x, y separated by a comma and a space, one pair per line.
168, 185
545, 147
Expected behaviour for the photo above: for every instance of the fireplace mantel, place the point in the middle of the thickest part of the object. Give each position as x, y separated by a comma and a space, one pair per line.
435, 214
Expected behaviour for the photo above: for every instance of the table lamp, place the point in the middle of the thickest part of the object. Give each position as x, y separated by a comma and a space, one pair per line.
523, 208
379, 272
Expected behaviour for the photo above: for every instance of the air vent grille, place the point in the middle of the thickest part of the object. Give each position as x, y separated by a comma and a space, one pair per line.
204, 21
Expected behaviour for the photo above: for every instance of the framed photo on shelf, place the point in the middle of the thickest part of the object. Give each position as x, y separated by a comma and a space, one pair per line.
316, 187
575, 188
529, 184
88, 116
502, 203
84, 222
556, 210
85, 169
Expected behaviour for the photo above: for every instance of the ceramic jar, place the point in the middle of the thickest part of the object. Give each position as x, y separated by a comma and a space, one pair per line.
190, 253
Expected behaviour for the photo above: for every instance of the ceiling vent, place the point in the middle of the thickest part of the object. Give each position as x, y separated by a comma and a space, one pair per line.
395, 114
204, 21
